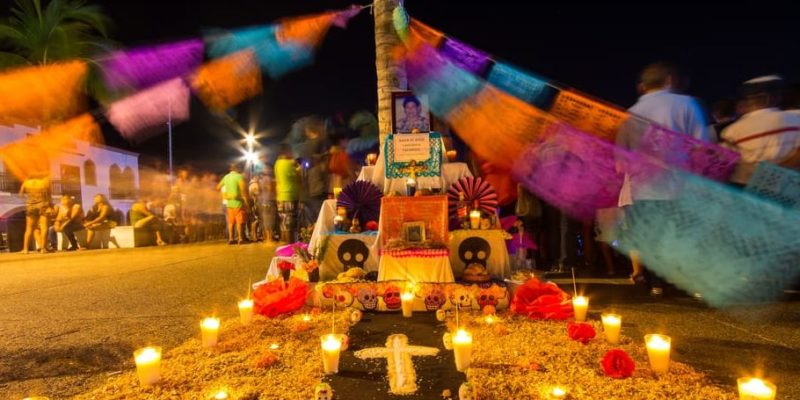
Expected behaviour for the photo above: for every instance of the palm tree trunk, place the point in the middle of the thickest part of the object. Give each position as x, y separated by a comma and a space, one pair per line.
391, 74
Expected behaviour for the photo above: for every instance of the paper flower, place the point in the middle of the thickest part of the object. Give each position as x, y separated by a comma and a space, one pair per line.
371, 226
618, 364
539, 300
581, 332
276, 297
267, 360
284, 265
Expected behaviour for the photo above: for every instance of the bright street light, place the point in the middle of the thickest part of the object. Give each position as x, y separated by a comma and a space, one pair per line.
251, 139
251, 156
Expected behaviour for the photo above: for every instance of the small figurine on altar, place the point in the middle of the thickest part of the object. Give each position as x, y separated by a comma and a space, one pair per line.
355, 227
323, 391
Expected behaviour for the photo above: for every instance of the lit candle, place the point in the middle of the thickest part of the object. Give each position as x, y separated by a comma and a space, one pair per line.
451, 155
580, 305
462, 349
407, 299
221, 395
411, 187
489, 319
611, 326
755, 389
210, 331
331, 346
474, 219
336, 192
148, 365
658, 350
274, 346
338, 222
246, 311
306, 317
558, 393
372, 158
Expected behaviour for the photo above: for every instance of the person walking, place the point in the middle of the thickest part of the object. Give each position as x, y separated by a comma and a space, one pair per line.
36, 189
234, 195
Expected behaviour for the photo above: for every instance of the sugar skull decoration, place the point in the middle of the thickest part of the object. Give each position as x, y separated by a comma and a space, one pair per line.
435, 299
391, 297
474, 252
355, 316
353, 253
490, 297
441, 315
323, 391
343, 299
368, 298
447, 339
461, 297
465, 392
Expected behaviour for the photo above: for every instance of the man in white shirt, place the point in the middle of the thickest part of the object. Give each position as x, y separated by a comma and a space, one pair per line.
764, 132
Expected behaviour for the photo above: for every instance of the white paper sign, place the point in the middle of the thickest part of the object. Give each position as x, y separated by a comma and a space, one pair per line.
412, 146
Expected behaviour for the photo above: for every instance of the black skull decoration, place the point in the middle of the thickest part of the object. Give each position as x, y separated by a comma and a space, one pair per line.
474, 250
353, 253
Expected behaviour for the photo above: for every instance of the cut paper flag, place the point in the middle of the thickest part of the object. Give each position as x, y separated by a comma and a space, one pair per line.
522, 85
228, 81
465, 56
577, 172
142, 67
778, 184
728, 245
32, 155
588, 115
145, 114
426, 33
39, 95
498, 126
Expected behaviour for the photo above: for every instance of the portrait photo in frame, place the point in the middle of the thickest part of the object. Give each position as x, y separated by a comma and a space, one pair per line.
410, 113
414, 232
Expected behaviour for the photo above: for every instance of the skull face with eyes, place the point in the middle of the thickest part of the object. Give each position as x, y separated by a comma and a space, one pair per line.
474, 250
461, 297
488, 297
353, 253
323, 391
435, 299
368, 298
391, 296
343, 299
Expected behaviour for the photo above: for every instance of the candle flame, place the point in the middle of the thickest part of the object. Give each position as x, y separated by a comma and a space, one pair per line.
756, 386
210, 323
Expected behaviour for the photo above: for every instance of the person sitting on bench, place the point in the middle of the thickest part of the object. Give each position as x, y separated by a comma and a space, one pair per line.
142, 218
99, 218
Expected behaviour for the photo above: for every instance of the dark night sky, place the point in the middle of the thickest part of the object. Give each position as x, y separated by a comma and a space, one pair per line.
597, 47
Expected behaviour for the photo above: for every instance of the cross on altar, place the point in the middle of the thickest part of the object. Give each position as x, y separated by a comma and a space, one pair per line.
398, 353
412, 168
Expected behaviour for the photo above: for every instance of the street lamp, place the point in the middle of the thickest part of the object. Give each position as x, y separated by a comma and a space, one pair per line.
250, 138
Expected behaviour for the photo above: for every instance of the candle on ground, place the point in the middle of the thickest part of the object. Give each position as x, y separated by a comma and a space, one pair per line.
489, 319
611, 326
209, 329
246, 311
407, 299
580, 305
558, 393
274, 346
148, 365
755, 389
221, 395
658, 347
331, 347
306, 317
462, 349
474, 219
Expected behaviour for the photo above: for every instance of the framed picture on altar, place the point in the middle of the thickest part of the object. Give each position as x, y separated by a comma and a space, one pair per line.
410, 113
414, 232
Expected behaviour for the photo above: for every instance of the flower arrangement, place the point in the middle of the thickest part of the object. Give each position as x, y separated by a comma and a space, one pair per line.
618, 364
581, 332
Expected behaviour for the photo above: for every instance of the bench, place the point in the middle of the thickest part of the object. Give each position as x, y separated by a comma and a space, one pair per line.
125, 236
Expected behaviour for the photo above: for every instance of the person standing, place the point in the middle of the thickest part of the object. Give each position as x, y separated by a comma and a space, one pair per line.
69, 219
661, 104
287, 194
764, 132
233, 192
36, 189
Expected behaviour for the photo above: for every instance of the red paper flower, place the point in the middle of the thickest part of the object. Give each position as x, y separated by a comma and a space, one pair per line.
276, 297
284, 265
618, 364
371, 226
581, 331
540, 300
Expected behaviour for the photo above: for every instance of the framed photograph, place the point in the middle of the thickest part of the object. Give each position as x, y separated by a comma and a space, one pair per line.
410, 113
414, 232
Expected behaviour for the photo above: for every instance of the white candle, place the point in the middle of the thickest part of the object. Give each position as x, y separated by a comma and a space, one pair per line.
558, 393
407, 300
462, 349
658, 347
474, 219
331, 346
221, 395
209, 329
580, 305
611, 326
246, 311
148, 365
755, 389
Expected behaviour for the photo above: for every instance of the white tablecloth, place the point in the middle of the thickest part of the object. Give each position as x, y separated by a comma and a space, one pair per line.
333, 262
324, 224
376, 174
415, 269
274, 271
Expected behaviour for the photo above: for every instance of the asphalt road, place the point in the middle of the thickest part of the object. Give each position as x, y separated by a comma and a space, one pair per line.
67, 321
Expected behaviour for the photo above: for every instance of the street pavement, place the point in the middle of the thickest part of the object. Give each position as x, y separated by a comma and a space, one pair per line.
68, 321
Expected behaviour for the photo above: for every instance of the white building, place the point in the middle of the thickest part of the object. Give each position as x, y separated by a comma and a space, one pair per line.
83, 171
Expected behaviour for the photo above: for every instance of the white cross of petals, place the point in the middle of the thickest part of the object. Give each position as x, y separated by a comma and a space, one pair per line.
402, 376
